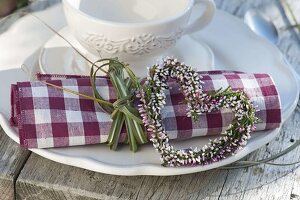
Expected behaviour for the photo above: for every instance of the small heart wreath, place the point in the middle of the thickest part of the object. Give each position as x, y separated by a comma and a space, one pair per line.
152, 98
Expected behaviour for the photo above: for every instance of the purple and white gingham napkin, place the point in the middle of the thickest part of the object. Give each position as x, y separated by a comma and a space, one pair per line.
48, 117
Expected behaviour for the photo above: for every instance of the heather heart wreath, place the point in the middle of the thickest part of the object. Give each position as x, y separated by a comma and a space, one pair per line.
152, 98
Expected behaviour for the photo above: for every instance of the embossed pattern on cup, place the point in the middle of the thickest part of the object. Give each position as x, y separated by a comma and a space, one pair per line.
137, 45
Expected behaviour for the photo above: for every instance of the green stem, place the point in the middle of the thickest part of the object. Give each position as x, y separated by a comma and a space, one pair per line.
122, 89
115, 131
122, 109
248, 163
130, 130
140, 134
108, 109
79, 94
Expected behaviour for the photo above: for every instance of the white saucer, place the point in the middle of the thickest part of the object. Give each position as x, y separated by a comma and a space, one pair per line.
57, 57
235, 48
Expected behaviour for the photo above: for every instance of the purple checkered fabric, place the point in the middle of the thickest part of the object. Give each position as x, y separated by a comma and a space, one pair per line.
49, 117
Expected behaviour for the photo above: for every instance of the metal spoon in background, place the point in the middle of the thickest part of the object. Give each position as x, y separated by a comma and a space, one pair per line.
264, 27
261, 25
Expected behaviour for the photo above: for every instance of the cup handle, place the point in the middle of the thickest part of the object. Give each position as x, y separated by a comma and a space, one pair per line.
202, 20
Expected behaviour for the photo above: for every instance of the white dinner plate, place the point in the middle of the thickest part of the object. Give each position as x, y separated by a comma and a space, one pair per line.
234, 46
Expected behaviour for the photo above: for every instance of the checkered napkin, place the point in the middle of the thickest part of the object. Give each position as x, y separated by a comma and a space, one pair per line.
49, 117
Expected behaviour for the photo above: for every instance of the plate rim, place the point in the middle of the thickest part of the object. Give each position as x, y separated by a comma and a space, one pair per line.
136, 170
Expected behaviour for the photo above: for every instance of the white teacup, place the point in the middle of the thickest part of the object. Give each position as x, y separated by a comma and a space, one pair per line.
129, 29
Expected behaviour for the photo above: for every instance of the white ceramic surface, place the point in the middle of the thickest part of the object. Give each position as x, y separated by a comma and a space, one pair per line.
241, 50
57, 57
134, 28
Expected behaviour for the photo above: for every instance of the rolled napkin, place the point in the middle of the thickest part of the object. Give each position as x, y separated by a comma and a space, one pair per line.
49, 117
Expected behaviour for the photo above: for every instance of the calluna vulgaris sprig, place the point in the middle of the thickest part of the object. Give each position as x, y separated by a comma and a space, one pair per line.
152, 98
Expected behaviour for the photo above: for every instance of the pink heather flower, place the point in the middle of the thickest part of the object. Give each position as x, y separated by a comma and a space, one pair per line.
198, 102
